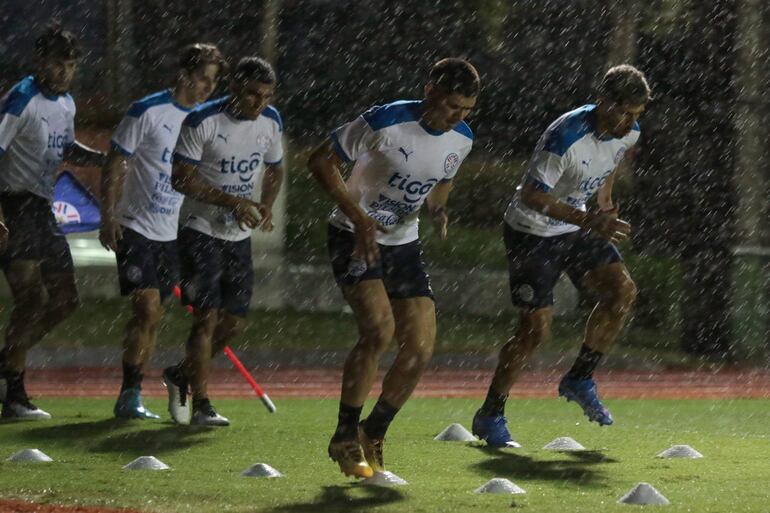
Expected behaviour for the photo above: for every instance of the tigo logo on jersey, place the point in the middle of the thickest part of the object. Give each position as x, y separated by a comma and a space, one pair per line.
451, 162
245, 167
413, 190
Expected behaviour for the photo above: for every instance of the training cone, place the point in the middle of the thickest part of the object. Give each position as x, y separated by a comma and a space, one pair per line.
499, 485
642, 494
386, 478
680, 451
455, 433
146, 463
261, 470
30, 455
563, 443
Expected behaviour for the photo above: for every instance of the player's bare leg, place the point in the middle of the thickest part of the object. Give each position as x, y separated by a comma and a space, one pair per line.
416, 335
617, 293
228, 327
376, 327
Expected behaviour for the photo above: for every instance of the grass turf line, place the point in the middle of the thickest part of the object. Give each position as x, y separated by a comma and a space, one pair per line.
89, 449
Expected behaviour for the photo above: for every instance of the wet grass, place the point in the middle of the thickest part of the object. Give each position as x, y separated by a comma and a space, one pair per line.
89, 451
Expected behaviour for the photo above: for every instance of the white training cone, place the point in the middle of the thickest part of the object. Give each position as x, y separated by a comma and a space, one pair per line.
642, 494
563, 443
499, 485
386, 478
261, 470
680, 451
146, 463
30, 455
455, 433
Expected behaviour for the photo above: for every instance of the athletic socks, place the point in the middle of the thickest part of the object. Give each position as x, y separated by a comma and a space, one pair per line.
14, 383
347, 423
494, 404
376, 424
585, 364
132, 376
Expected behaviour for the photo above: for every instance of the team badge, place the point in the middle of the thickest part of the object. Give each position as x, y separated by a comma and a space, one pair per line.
525, 293
451, 162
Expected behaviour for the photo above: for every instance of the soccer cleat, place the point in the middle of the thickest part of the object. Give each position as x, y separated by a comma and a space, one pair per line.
176, 386
21, 408
493, 429
205, 415
583, 392
372, 448
349, 455
130, 406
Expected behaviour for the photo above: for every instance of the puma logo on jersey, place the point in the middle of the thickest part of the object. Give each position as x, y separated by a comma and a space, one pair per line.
405, 153
586, 163
167, 128
223, 137
44, 120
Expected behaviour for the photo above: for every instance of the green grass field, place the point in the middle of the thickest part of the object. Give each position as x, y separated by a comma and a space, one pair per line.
89, 450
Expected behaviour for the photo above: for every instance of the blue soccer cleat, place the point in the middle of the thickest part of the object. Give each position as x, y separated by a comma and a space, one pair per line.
583, 392
130, 406
493, 430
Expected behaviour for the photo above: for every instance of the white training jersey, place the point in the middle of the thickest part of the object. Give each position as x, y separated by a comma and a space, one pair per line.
570, 162
147, 135
35, 129
230, 154
398, 161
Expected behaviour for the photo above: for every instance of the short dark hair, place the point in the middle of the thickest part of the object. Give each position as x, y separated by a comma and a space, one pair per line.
194, 56
54, 41
454, 75
254, 68
625, 84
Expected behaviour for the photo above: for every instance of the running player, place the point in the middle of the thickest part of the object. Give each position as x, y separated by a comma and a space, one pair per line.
226, 149
405, 154
37, 132
139, 221
548, 230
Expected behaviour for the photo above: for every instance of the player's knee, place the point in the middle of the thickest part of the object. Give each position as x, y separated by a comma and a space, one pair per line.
535, 326
378, 333
623, 295
148, 313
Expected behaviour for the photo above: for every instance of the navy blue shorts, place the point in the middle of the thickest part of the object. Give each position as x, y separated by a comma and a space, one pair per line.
535, 263
34, 234
216, 273
401, 268
147, 264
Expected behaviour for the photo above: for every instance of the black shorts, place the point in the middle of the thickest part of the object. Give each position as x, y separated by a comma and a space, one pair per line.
401, 268
216, 273
535, 263
34, 234
147, 264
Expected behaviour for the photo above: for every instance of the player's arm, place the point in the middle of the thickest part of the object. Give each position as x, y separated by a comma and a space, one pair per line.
113, 176
271, 186
324, 164
437, 201
604, 194
79, 154
604, 224
185, 179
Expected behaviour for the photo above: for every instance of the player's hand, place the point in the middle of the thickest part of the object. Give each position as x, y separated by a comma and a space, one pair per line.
110, 233
267, 219
249, 214
366, 247
440, 218
607, 225
4, 233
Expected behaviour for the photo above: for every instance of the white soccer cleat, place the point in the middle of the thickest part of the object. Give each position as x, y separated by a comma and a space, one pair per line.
178, 403
206, 415
23, 409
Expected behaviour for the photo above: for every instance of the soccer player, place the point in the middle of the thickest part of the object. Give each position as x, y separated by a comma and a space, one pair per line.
139, 221
226, 149
405, 154
548, 230
37, 132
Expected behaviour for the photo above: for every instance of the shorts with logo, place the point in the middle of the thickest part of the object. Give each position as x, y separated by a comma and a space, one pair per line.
34, 234
147, 264
216, 273
535, 263
401, 268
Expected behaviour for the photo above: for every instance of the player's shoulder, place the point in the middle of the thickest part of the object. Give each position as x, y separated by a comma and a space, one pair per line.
391, 114
568, 129
272, 113
142, 105
463, 129
205, 111
19, 96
